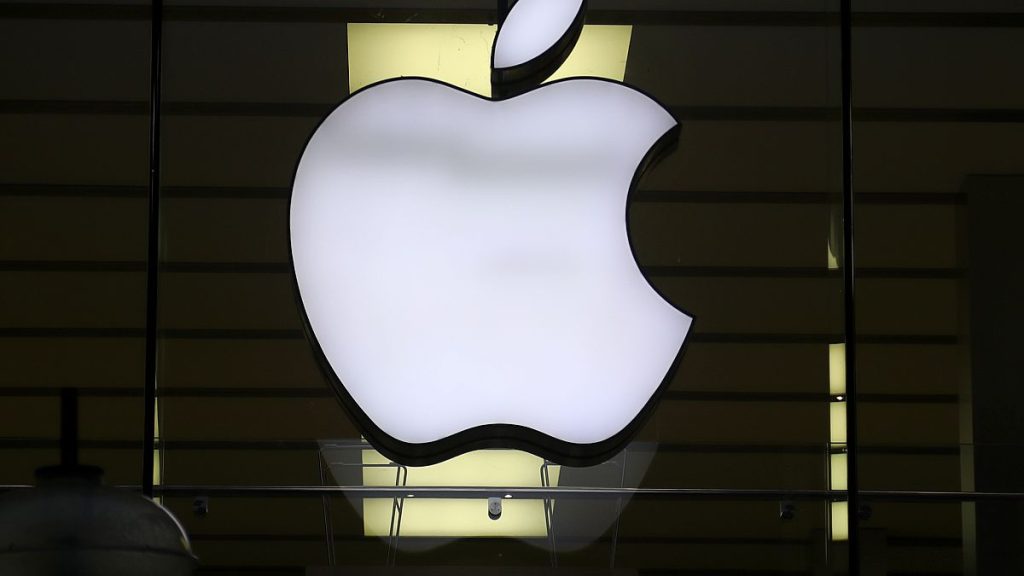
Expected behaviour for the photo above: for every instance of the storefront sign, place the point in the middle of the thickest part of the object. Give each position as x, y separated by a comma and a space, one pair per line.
464, 263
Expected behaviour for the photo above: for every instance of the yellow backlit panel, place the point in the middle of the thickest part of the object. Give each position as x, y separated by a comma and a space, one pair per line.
503, 468
837, 422
459, 518
837, 472
456, 518
837, 369
601, 51
460, 54
840, 521
833, 261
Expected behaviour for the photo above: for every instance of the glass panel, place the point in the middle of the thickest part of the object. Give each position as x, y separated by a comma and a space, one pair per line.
741, 226
933, 537
737, 226
289, 534
939, 182
734, 227
74, 135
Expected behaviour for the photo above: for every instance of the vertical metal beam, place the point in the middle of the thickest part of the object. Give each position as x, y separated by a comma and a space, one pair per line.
322, 467
153, 248
849, 295
69, 427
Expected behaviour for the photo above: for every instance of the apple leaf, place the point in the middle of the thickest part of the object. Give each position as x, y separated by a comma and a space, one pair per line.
536, 33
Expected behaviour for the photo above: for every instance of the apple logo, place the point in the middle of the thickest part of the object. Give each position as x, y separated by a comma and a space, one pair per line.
464, 265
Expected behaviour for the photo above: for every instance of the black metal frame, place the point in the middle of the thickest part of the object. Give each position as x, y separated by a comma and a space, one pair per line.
849, 294
153, 249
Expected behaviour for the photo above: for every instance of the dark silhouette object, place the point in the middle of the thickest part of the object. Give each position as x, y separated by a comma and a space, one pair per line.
70, 524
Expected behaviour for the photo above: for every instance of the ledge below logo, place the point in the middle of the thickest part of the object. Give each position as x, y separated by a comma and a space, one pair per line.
464, 264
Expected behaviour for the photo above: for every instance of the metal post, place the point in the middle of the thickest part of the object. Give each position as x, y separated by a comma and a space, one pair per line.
322, 467
69, 427
618, 510
153, 249
849, 315
549, 513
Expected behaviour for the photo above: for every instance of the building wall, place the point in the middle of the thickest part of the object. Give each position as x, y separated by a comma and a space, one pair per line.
739, 225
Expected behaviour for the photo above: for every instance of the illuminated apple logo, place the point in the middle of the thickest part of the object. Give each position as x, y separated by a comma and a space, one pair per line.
464, 263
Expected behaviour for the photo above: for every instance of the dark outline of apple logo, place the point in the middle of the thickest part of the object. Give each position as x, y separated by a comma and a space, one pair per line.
507, 83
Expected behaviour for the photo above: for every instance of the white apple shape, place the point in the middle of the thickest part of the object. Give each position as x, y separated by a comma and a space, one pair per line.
465, 267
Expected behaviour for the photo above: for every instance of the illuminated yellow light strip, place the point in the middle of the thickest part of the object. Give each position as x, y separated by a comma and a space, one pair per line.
837, 422
460, 54
840, 524
838, 474
837, 369
837, 471
158, 468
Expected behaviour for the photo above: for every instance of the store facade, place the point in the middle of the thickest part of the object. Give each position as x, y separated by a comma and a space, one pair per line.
743, 466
